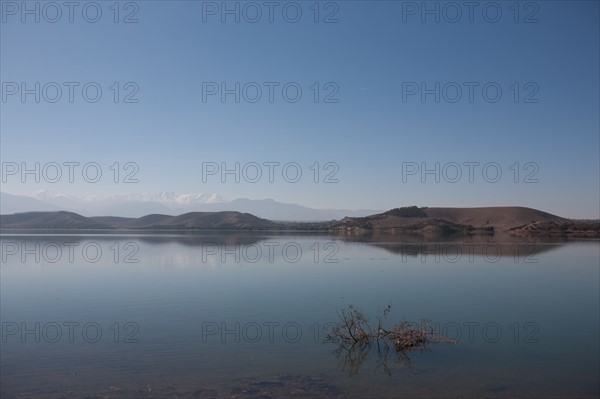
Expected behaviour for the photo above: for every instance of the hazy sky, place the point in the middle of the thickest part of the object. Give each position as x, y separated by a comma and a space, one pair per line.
368, 113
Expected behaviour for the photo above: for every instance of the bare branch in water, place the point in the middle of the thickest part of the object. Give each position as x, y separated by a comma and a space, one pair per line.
355, 337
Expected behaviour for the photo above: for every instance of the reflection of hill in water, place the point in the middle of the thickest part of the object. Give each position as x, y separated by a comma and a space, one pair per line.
192, 239
401, 244
454, 246
228, 239
380, 237
456, 250
407, 245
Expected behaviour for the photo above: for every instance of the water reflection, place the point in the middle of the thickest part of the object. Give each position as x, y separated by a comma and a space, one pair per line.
510, 317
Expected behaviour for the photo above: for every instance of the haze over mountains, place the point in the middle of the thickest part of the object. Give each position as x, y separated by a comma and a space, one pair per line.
138, 205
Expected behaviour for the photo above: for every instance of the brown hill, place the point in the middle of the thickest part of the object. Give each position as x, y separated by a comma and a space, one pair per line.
143, 222
48, 220
501, 218
210, 220
193, 220
450, 220
573, 228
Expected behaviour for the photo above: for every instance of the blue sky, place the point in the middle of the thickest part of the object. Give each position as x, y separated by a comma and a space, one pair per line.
370, 58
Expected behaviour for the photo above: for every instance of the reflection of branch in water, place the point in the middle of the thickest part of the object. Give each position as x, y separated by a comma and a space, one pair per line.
384, 352
353, 356
355, 337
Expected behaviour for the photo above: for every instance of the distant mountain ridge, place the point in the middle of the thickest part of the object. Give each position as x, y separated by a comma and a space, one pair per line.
138, 205
488, 220
48, 220
194, 220
226, 220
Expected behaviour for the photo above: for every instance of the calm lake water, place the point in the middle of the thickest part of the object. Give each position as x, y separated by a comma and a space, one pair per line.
244, 315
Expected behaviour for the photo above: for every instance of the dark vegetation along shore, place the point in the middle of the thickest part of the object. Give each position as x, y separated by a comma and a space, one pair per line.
427, 221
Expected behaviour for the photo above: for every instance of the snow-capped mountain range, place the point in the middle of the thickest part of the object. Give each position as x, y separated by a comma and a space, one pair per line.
168, 203
165, 198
